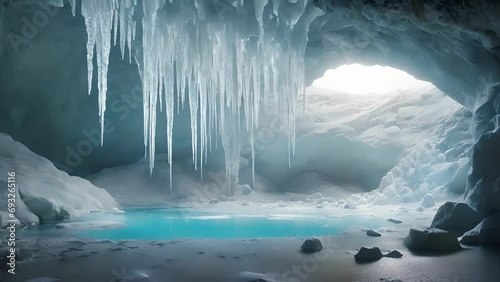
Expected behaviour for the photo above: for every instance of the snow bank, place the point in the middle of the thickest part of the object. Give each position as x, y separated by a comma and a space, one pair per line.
435, 134
407, 145
43, 192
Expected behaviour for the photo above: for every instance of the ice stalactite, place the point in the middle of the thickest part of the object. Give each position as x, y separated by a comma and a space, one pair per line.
99, 23
224, 57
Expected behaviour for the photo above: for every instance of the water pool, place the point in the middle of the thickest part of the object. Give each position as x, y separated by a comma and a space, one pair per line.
166, 224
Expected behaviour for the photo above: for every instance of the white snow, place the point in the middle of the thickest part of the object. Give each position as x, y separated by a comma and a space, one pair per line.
44, 193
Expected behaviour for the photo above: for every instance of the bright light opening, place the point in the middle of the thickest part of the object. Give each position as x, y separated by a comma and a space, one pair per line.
358, 79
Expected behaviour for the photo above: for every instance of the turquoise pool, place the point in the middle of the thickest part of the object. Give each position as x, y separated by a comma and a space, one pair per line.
166, 224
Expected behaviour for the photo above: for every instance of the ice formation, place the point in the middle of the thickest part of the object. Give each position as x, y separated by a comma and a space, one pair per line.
227, 58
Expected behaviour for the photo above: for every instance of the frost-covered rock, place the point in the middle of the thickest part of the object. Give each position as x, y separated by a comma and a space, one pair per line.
427, 201
456, 217
486, 232
368, 254
311, 245
45, 193
432, 239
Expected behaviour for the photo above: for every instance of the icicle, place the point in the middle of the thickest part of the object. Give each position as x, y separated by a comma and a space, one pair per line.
212, 60
98, 21
73, 6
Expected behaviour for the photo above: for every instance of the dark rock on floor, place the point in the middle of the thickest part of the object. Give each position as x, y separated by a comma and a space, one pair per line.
368, 254
373, 233
312, 245
432, 239
393, 254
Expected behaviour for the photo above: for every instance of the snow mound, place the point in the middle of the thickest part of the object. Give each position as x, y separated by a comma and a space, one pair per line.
44, 193
434, 137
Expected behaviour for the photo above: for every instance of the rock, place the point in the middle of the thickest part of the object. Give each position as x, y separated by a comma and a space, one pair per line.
396, 221
312, 245
368, 254
456, 217
432, 239
486, 232
420, 209
245, 203
373, 233
213, 201
427, 201
393, 254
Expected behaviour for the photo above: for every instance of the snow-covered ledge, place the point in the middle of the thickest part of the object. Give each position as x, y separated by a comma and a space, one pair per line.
44, 193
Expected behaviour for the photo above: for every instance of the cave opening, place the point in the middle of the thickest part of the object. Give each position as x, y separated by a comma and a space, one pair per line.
372, 129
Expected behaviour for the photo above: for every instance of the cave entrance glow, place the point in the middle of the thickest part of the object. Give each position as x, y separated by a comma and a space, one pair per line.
359, 79
377, 130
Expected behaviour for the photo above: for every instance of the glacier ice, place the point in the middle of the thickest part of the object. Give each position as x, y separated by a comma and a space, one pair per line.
223, 55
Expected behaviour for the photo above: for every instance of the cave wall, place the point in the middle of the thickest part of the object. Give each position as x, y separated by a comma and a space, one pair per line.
43, 78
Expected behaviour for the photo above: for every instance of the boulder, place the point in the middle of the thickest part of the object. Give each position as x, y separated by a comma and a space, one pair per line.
432, 239
393, 254
373, 233
368, 254
486, 232
312, 245
456, 217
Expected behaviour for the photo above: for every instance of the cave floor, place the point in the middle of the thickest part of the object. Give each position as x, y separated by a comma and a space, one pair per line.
72, 259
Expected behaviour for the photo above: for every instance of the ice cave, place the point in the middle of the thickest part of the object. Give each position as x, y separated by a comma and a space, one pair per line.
249, 140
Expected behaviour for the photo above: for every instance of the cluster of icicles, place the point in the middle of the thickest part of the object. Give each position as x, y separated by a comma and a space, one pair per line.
227, 59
